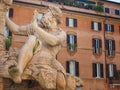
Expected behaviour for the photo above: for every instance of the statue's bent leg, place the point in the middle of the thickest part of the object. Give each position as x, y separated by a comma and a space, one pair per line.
61, 82
24, 57
26, 53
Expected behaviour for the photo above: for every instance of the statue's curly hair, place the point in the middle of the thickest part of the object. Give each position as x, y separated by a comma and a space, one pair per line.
55, 11
46, 20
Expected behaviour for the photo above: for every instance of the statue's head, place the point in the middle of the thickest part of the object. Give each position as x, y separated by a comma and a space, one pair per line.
53, 14
56, 12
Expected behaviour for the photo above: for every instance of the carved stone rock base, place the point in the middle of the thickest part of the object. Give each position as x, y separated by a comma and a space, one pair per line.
25, 85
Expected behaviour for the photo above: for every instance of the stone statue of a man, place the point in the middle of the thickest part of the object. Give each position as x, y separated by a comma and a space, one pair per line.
43, 44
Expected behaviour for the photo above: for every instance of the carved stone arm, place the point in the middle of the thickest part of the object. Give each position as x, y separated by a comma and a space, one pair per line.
50, 38
61, 36
19, 30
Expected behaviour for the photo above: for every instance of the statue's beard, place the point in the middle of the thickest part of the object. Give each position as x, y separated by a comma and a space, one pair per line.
45, 23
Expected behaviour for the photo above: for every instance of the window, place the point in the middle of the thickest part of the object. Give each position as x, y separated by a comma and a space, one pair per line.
107, 10
109, 27
39, 17
11, 12
71, 22
110, 47
72, 67
71, 42
96, 26
7, 32
117, 12
97, 45
97, 70
111, 70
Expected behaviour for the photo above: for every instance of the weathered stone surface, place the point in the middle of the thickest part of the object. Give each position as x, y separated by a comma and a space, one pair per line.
25, 85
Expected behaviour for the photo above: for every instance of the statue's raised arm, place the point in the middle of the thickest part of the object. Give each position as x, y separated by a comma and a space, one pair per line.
20, 30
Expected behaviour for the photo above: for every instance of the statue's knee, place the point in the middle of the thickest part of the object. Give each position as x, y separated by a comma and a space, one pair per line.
61, 82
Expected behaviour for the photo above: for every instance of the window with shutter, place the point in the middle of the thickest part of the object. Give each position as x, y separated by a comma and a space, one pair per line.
71, 42
95, 25
72, 67
96, 43
97, 70
71, 22
109, 27
110, 47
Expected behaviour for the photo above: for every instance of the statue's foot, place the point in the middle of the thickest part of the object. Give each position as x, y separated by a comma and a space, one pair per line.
15, 74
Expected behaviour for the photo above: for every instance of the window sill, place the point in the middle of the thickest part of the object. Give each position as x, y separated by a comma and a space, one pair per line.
109, 56
96, 30
98, 77
97, 54
109, 32
71, 27
72, 51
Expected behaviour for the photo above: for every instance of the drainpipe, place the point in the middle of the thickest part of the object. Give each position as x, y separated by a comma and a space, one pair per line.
110, 86
105, 47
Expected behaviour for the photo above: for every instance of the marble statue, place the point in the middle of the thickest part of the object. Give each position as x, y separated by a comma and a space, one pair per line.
37, 57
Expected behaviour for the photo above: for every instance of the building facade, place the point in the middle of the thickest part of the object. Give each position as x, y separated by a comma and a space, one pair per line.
92, 48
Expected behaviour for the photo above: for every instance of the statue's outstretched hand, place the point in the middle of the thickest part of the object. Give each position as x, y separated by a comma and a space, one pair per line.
35, 14
34, 20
